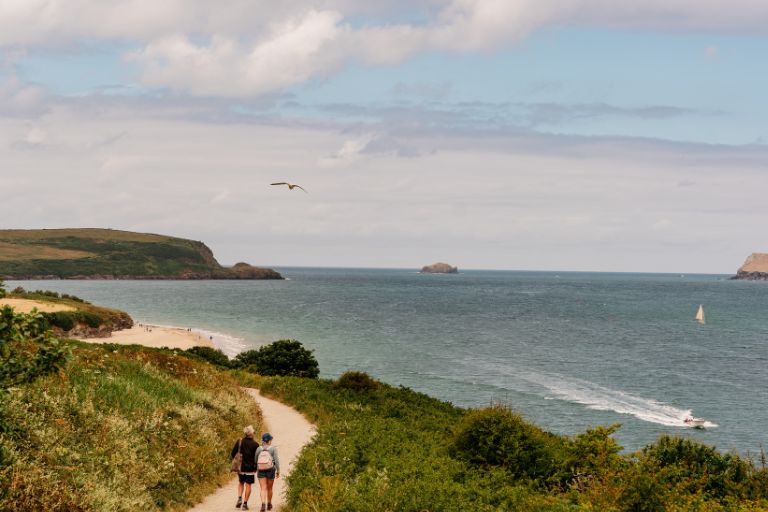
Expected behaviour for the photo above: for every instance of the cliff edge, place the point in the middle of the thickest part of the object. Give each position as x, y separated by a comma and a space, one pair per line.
93, 253
755, 268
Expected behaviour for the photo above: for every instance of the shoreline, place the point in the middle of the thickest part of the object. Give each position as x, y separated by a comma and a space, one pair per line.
156, 336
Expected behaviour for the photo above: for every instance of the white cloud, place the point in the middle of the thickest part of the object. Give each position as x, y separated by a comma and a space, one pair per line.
349, 152
291, 52
500, 203
242, 48
17, 99
35, 137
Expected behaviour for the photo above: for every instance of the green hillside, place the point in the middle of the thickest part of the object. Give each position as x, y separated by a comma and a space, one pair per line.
120, 429
91, 253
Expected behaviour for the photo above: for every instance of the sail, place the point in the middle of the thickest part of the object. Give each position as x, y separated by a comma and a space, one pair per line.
700, 314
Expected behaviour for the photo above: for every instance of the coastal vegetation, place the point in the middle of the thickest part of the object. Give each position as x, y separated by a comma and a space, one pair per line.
77, 317
119, 428
112, 254
382, 448
286, 358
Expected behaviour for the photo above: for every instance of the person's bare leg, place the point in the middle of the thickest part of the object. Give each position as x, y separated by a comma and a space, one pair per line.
270, 483
239, 489
263, 490
247, 492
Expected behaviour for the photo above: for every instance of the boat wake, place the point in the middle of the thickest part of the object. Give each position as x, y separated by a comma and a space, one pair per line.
601, 398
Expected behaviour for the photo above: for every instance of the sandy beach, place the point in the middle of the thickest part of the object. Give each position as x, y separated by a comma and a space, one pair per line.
27, 305
140, 334
155, 336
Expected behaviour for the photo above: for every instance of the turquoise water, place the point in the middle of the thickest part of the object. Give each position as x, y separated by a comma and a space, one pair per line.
567, 350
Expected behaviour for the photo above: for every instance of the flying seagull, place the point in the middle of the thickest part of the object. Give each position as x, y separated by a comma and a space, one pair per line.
291, 186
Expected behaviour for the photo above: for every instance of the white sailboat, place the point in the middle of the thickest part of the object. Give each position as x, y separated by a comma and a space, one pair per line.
700, 314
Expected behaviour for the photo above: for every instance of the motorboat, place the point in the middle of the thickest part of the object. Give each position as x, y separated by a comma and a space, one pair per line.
694, 422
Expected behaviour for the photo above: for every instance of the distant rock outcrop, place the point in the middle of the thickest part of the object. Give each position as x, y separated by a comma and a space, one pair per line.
439, 268
755, 268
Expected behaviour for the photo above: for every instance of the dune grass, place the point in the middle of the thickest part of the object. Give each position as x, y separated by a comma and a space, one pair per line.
120, 428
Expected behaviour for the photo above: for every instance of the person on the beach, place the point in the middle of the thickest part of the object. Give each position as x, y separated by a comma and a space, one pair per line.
247, 446
268, 468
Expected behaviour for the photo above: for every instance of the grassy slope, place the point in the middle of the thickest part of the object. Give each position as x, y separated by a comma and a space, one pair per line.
393, 449
105, 252
389, 450
111, 319
121, 428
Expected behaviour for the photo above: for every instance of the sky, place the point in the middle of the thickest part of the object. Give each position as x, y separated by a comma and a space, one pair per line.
585, 135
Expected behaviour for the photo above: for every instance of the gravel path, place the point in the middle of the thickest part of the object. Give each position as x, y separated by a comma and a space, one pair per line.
291, 432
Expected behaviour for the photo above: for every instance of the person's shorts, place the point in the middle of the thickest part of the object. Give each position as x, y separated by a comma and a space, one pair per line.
246, 478
269, 474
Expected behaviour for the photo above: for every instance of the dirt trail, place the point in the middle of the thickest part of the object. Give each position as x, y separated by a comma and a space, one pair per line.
291, 432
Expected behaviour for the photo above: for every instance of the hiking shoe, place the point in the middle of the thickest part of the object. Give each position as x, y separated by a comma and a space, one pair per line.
263, 507
245, 506
239, 502
269, 506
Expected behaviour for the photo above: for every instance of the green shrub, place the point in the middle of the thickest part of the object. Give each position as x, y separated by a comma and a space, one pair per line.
74, 298
642, 492
357, 381
593, 454
67, 320
212, 355
90, 319
28, 349
698, 467
64, 320
496, 436
286, 358
246, 359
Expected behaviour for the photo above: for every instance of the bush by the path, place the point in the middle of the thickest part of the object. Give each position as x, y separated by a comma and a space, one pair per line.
210, 354
496, 436
357, 381
28, 349
286, 358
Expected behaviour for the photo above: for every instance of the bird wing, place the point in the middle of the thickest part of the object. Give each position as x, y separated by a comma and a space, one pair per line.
281, 183
302, 188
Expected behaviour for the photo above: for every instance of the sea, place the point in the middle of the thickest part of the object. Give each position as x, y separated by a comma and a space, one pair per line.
567, 350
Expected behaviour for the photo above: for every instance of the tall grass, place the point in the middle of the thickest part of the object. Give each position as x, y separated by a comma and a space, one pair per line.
120, 428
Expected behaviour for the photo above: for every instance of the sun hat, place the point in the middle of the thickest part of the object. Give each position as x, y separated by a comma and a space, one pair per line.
266, 437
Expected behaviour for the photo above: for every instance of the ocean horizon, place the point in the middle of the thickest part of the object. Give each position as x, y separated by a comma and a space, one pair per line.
569, 350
